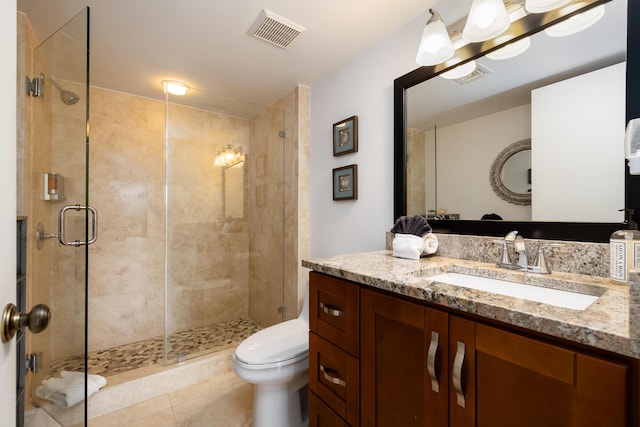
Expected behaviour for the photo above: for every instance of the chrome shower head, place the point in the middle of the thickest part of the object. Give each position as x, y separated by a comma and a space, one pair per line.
68, 97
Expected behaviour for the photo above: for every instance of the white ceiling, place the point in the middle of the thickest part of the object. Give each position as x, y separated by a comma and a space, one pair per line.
135, 44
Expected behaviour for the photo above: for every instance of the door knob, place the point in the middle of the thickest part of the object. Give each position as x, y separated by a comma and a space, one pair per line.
12, 320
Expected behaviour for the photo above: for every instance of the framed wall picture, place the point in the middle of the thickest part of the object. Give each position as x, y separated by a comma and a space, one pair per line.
345, 183
345, 136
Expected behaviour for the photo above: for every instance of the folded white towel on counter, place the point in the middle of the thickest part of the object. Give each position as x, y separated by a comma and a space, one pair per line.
68, 390
430, 244
407, 246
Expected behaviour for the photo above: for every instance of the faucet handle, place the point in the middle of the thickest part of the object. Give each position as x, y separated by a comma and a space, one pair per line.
540, 264
504, 258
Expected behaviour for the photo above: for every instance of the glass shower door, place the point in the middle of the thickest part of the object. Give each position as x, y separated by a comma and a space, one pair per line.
60, 222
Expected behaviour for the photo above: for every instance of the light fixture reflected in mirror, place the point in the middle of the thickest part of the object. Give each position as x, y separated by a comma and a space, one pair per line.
576, 23
175, 87
460, 71
541, 6
435, 45
487, 19
229, 157
512, 49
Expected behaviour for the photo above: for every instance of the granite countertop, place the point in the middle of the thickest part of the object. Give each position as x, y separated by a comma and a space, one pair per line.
604, 324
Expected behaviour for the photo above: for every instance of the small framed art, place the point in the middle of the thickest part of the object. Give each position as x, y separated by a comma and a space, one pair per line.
345, 183
345, 136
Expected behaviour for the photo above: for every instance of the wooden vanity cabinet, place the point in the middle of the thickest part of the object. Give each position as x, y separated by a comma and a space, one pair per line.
334, 348
418, 365
502, 379
403, 362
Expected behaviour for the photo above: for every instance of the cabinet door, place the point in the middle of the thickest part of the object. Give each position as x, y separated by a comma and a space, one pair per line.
529, 383
462, 380
403, 363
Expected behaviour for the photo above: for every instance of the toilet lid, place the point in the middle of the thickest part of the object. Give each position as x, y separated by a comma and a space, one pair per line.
276, 343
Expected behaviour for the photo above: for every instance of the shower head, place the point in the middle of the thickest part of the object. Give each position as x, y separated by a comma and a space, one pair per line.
67, 97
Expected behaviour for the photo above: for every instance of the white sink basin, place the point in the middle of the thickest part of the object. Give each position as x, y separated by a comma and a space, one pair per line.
556, 297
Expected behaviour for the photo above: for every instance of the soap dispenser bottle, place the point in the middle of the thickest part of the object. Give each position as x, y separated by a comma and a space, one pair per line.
624, 247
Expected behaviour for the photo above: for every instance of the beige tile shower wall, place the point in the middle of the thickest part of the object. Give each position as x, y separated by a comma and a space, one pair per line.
126, 264
295, 106
266, 217
416, 142
208, 255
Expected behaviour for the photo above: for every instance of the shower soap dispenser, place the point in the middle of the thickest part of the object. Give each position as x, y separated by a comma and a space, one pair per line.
624, 247
632, 146
53, 186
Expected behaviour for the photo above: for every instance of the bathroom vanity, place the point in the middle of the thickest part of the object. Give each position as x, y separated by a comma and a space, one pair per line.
390, 344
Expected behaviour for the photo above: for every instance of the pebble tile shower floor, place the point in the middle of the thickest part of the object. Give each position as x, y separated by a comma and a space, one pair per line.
188, 343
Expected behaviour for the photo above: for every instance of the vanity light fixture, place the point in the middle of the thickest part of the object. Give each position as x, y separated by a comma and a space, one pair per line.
576, 23
435, 45
487, 19
541, 6
229, 157
175, 87
510, 50
460, 71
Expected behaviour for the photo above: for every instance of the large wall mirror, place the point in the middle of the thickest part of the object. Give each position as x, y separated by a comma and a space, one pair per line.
569, 96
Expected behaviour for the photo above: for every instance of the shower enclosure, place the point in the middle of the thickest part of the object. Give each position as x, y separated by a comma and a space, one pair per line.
191, 196
53, 196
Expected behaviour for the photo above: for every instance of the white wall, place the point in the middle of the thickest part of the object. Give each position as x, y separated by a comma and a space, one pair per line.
585, 129
363, 87
476, 143
8, 36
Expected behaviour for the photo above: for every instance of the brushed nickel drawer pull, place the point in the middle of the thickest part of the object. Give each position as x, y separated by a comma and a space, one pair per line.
331, 311
331, 376
457, 374
431, 362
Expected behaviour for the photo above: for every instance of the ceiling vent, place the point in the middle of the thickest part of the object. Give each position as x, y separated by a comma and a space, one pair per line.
275, 29
480, 71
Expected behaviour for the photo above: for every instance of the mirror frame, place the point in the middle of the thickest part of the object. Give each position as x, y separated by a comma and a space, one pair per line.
495, 174
576, 231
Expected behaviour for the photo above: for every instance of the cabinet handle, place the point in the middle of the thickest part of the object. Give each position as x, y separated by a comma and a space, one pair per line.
457, 374
431, 362
331, 311
332, 377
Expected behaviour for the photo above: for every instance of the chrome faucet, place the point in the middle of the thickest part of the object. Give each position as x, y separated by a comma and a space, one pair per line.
540, 264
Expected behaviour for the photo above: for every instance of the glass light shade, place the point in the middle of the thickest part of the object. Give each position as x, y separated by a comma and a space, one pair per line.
175, 87
510, 50
487, 19
541, 6
435, 45
461, 71
576, 23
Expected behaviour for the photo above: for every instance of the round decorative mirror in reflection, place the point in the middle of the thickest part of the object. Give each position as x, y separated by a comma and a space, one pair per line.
510, 174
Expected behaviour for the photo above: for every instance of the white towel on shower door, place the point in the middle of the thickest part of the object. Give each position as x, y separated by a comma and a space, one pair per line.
68, 390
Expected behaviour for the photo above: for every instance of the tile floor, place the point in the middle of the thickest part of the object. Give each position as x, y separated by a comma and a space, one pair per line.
224, 401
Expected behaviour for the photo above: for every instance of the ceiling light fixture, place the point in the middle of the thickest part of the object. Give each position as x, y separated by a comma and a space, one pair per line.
487, 19
175, 87
435, 45
510, 50
460, 71
576, 23
541, 6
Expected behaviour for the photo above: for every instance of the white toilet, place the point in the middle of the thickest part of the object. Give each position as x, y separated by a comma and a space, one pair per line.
276, 361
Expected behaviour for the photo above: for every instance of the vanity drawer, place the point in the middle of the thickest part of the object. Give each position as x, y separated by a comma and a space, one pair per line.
320, 415
334, 376
333, 311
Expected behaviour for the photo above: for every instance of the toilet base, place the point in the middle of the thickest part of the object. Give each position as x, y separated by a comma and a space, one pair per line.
280, 405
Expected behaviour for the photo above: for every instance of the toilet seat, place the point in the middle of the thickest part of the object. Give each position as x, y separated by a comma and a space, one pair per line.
284, 343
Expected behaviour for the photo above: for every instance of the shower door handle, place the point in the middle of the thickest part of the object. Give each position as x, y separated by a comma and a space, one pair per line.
61, 226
